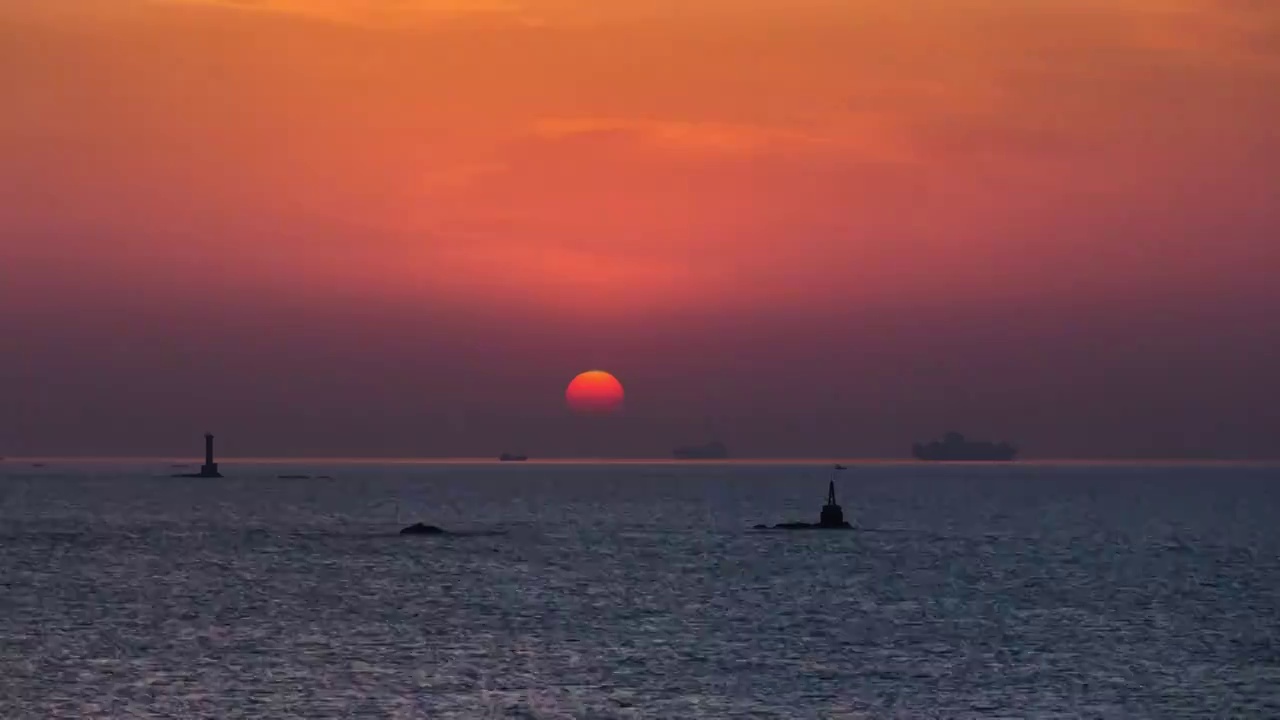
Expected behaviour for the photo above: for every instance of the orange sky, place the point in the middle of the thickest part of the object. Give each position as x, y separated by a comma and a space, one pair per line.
643, 161
631, 156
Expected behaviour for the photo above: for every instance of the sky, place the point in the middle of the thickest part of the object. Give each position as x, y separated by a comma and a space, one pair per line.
812, 228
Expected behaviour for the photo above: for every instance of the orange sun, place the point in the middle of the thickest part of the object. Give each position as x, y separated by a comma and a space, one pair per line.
594, 391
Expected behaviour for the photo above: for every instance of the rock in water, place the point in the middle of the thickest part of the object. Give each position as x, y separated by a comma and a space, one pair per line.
421, 529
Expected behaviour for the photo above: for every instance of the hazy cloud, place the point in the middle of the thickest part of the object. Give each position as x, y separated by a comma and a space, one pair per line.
368, 12
873, 140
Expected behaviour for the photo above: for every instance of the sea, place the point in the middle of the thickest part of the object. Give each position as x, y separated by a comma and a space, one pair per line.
639, 590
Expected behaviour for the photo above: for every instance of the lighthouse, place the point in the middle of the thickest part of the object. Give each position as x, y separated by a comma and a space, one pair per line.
831, 518
210, 468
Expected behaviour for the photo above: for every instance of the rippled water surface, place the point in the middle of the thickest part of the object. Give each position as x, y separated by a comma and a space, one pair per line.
638, 591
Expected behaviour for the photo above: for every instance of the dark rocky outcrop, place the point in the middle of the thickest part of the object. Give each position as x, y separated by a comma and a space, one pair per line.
421, 529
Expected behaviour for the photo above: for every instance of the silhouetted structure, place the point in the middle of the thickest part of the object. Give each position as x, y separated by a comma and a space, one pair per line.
714, 450
954, 447
508, 457
210, 468
831, 517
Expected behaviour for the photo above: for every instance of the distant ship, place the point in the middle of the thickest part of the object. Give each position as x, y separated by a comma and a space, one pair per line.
954, 447
714, 450
508, 457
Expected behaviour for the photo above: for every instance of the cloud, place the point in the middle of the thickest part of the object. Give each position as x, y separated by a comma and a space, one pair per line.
369, 12
1239, 30
576, 281
865, 136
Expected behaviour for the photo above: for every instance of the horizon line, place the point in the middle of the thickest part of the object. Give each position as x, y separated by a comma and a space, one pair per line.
762, 460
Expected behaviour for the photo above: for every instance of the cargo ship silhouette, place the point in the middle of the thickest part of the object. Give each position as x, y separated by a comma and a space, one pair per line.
955, 447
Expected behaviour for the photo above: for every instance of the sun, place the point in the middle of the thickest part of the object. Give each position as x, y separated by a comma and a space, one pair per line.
594, 391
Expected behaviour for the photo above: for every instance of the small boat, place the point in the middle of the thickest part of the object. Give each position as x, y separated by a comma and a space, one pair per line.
508, 457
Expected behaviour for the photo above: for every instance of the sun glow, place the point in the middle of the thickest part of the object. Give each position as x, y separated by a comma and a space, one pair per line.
594, 391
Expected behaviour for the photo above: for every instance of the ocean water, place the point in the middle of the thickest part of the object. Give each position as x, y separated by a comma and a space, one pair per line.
639, 591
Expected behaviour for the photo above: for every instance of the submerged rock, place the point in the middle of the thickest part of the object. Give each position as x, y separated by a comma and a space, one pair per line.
421, 529
842, 525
